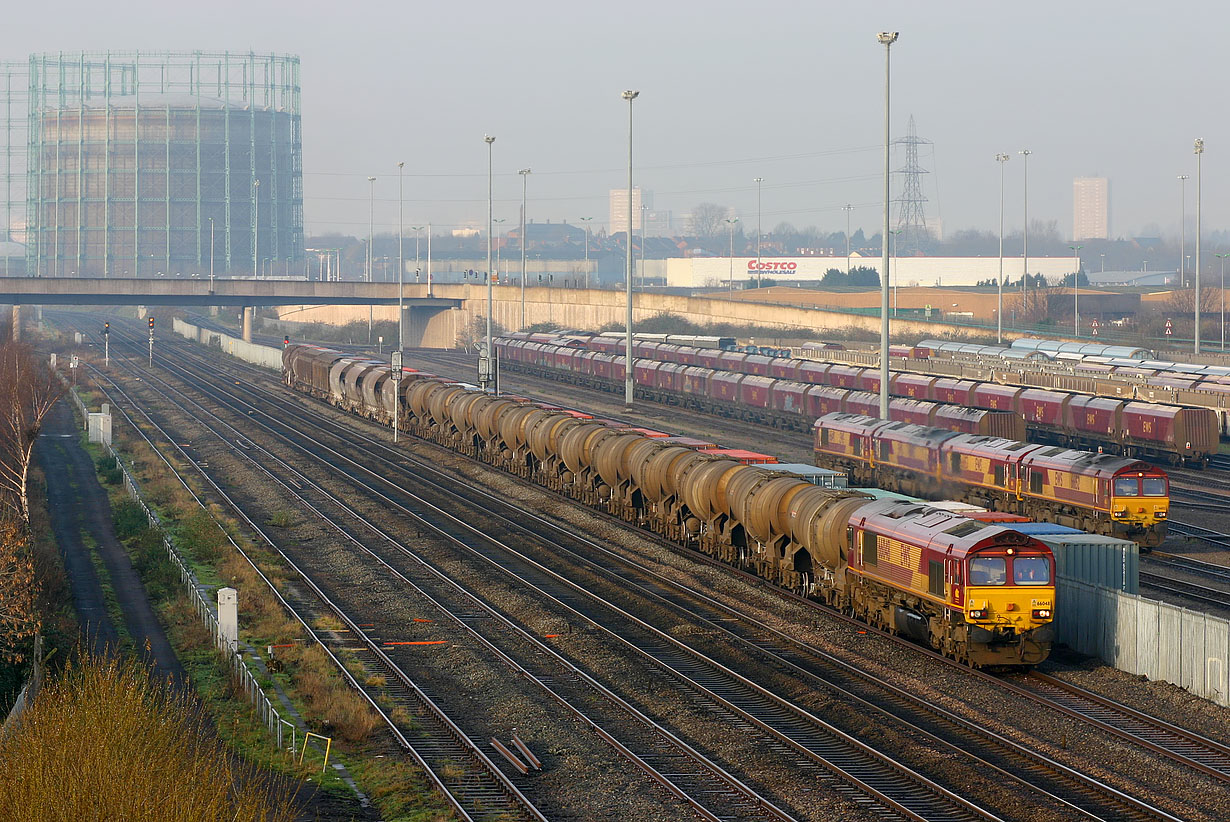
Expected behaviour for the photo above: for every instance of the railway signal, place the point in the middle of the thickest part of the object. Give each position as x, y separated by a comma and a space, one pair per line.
395, 362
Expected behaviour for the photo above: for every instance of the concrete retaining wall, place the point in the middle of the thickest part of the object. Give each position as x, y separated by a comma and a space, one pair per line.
262, 355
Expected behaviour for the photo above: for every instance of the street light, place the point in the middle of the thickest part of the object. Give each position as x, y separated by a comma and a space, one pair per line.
371, 227
887, 38
1182, 227
629, 95
488, 139
1076, 291
256, 227
1199, 151
731, 222
847, 208
999, 314
758, 181
1025, 235
586, 220
401, 266
525, 176
1223, 257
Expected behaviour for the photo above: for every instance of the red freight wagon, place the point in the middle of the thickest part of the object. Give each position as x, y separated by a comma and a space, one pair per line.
789, 397
862, 403
670, 377
724, 386
815, 373
710, 358
756, 364
913, 412
754, 391
784, 368
916, 386
996, 397
645, 372
740, 455
696, 380
1040, 407
954, 392
824, 399
730, 361
843, 376
1096, 416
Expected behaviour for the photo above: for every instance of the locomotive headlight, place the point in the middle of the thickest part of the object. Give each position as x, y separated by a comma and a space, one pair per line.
1042, 613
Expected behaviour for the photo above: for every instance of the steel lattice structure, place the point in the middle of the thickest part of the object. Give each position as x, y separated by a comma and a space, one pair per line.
913, 235
143, 163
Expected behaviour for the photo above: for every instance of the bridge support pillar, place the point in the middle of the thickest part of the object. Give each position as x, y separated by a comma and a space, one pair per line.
248, 313
428, 327
16, 323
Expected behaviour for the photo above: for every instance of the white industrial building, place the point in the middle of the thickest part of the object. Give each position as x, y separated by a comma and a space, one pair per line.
709, 272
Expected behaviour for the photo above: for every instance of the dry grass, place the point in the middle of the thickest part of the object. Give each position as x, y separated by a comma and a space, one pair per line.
330, 700
103, 741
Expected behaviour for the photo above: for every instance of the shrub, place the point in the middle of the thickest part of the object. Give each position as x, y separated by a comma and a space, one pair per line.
106, 741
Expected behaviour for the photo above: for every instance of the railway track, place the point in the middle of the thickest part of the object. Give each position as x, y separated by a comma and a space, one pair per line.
1033, 769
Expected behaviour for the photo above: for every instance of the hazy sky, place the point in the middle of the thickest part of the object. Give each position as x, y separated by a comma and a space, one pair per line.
791, 92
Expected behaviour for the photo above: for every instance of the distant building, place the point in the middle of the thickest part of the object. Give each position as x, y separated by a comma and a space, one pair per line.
619, 209
1090, 208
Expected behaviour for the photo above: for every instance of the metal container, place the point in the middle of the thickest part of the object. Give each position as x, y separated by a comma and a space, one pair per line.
608, 456
654, 474
489, 417
1096, 560
704, 487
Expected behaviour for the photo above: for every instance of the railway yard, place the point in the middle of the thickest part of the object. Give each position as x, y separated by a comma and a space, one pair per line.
629, 678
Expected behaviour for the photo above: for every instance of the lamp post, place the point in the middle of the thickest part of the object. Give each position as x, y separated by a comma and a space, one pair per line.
1076, 290
500, 247
758, 181
847, 208
256, 227
896, 232
211, 255
371, 227
629, 95
1198, 148
488, 139
1222, 257
887, 38
1182, 228
525, 176
999, 313
401, 266
731, 222
586, 220
1025, 236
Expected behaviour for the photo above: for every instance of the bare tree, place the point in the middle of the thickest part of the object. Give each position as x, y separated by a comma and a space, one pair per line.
18, 592
31, 390
706, 220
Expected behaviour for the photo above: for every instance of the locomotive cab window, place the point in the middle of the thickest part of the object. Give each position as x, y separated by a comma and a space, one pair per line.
935, 578
1126, 487
1154, 486
988, 571
870, 548
1031, 571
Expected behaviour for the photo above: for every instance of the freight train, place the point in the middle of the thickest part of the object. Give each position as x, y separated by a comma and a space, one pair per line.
782, 403
1180, 435
1099, 493
979, 592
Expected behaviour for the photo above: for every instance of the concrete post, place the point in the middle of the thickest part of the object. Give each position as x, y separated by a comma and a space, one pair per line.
247, 323
228, 618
